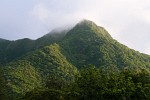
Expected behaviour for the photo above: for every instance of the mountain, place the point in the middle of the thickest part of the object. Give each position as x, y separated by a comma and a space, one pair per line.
27, 64
11, 50
88, 43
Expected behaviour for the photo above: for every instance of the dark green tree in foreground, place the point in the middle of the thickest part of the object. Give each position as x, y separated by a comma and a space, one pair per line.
89, 83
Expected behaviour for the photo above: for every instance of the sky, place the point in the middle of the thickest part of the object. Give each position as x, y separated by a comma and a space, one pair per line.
128, 21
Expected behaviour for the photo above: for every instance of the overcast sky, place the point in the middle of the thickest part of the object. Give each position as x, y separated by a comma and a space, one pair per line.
128, 21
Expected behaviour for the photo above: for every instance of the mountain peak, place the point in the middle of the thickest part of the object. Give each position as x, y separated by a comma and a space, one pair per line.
86, 22
89, 28
85, 25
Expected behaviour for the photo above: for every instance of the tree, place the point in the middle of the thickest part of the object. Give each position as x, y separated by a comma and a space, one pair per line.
2, 86
89, 82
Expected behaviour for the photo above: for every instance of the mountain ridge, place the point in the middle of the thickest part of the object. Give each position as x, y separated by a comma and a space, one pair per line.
32, 62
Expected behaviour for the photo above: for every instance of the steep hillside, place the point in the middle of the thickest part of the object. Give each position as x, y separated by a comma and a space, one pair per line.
33, 70
88, 43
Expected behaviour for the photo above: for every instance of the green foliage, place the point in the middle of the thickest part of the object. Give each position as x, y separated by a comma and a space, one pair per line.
46, 94
34, 69
89, 82
102, 84
2, 86
20, 78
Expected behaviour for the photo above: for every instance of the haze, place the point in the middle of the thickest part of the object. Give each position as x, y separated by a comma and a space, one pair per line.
128, 21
